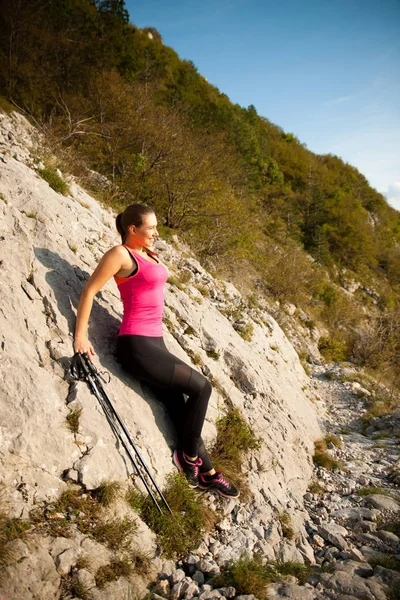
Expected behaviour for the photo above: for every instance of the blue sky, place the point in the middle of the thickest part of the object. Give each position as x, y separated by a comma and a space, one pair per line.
326, 70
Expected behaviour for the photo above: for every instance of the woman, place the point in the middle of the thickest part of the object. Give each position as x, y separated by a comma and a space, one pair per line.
141, 350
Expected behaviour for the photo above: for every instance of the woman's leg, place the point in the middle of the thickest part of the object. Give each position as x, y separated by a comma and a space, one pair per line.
148, 359
174, 403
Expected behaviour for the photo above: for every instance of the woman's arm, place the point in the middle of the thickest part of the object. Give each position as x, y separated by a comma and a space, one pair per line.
112, 262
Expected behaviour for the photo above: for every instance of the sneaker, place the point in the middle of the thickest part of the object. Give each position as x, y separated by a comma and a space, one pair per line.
218, 483
189, 469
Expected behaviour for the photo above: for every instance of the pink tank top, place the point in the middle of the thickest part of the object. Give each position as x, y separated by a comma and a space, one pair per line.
142, 296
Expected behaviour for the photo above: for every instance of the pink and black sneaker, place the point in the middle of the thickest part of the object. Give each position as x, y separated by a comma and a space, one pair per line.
188, 468
218, 483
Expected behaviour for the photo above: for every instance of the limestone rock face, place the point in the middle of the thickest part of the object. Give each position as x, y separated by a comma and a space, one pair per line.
49, 246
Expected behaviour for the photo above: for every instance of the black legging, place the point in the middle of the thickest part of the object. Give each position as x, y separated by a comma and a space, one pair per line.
148, 359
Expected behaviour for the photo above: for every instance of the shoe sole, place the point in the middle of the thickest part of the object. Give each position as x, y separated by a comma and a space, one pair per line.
181, 469
205, 489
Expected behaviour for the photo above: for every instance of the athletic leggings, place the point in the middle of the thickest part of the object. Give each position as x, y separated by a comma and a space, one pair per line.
147, 359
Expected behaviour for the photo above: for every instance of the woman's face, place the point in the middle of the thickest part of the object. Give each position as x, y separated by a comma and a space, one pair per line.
147, 233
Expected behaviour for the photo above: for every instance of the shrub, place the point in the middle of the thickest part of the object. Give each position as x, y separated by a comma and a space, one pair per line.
5, 106
212, 354
54, 180
332, 349
182, 531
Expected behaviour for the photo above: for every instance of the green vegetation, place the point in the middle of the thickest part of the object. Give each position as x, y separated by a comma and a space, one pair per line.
246, 332
241, 192
234, 439
286, 524
54, 180
73, 419
184, 530
87, 514
252, 575
11, 529
6, 106
387, 562
393, 592
112, 571
366, 491
213, 354
107, 492
331, 438
203, 289
174, 280
322, 459
316, 488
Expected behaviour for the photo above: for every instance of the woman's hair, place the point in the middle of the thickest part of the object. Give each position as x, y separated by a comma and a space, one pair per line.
132, 215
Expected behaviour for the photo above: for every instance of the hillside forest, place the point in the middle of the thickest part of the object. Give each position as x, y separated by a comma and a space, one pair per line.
254, 203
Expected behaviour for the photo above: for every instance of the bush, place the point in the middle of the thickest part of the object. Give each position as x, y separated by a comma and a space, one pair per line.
332, 349
54, 180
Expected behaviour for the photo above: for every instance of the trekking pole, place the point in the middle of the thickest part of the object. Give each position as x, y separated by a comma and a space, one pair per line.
93, 378
90, 366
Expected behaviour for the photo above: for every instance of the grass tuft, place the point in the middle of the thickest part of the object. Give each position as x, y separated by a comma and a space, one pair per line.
54, 180
184, 530
316, 488
322, 459
73, 419
367, 491
116, 534
247, 576
107, 492
10, 529
251, 575
286, 524
333, 439
113, 571
387, 562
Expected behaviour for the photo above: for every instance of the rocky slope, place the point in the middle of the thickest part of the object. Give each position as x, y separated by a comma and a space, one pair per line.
49, 244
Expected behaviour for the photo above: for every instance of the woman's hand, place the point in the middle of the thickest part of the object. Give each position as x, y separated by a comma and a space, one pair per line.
83, 346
